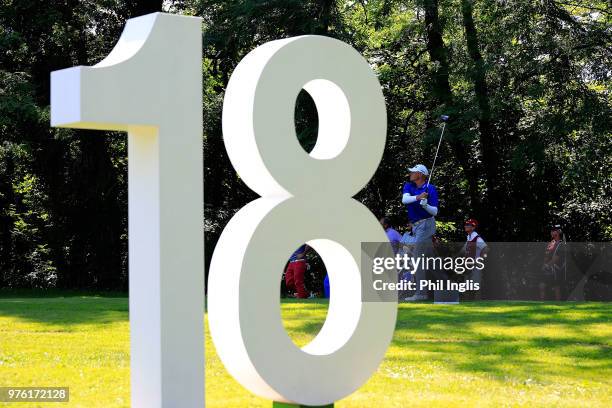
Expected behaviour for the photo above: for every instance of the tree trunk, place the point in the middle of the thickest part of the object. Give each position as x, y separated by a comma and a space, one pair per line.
7, 198
487, 137
325, 16
443, 94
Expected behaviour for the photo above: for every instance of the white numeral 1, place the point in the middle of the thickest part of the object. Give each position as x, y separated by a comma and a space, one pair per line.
150, 85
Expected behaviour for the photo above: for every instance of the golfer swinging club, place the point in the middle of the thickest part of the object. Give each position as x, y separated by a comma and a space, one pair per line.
421, 200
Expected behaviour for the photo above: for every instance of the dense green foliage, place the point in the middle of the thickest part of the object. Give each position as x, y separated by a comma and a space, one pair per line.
526, 82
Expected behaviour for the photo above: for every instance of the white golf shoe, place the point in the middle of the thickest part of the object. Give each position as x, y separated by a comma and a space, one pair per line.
415, 298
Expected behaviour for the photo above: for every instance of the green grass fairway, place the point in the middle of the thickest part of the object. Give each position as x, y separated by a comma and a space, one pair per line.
475, 354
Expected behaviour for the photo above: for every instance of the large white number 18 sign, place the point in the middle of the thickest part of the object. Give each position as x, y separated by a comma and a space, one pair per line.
150, 86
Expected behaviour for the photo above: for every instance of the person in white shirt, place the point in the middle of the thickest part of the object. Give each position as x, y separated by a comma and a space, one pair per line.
475, 247
393, 236
407, 245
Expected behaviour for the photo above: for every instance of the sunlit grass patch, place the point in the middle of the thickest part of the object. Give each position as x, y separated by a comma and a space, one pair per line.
474, 354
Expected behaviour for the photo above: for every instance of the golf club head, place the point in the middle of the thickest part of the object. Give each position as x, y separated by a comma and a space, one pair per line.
444, 118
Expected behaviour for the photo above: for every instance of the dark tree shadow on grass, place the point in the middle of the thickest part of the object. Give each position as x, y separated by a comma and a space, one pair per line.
507, 341
510, 341
66, 312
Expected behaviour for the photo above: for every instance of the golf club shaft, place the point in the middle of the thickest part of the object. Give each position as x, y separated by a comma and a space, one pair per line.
433, 166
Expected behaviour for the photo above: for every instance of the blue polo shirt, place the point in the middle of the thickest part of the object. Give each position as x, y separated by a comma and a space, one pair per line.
415, 211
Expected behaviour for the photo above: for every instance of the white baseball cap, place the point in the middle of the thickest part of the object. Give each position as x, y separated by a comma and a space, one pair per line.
420, 169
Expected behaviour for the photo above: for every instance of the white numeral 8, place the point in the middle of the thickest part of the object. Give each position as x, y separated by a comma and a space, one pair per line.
305, 198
